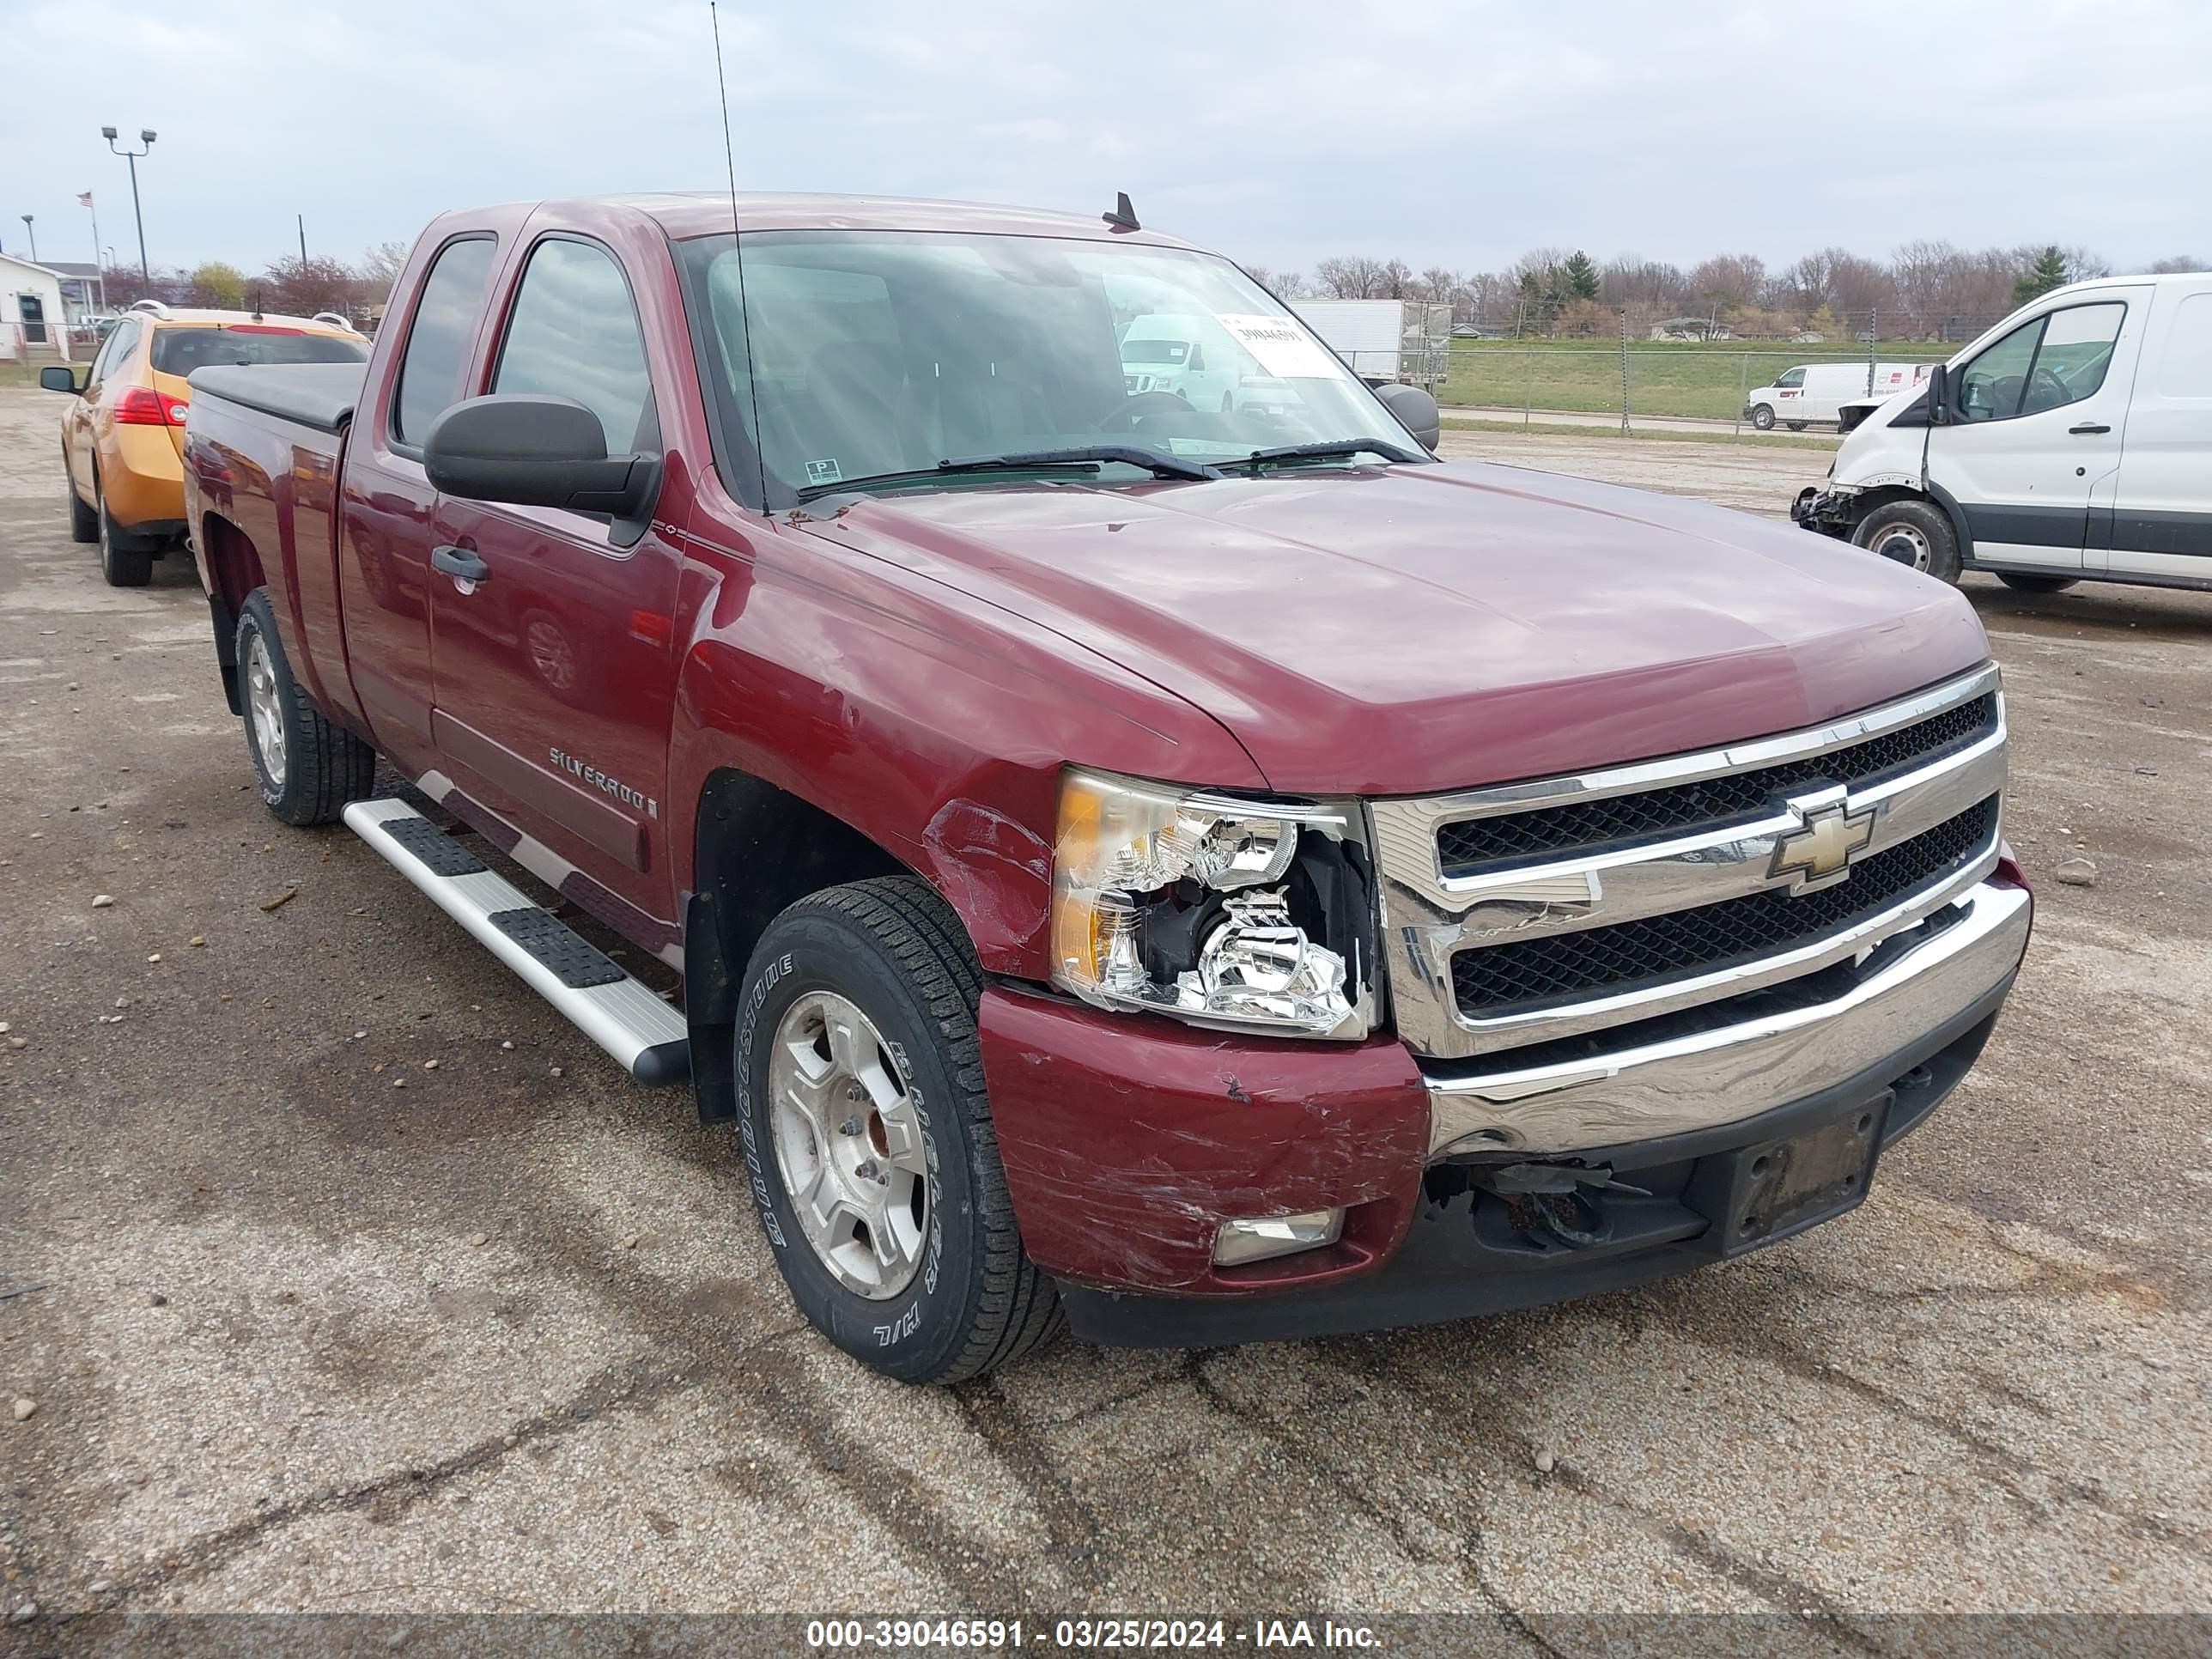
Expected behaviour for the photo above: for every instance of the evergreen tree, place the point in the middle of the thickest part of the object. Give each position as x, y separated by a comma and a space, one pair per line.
2048, 271
1581, 276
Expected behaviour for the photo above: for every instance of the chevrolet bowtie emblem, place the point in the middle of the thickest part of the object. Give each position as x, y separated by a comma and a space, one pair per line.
1822, 853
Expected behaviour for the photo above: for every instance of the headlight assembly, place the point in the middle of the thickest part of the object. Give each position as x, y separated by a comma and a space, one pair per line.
1247, 914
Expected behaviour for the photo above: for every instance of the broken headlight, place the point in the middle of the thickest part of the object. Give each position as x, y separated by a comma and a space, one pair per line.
1252, 914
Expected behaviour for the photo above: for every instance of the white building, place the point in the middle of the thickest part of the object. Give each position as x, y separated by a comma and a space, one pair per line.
34, 322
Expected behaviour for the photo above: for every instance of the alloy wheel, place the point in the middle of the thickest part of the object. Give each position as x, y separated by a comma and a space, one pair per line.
849, 1145
266, 710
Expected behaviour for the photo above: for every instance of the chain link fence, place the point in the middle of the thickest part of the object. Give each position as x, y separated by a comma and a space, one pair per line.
1662, 371
1622, 383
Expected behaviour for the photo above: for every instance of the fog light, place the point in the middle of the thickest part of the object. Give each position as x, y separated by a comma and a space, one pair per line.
1239, 1241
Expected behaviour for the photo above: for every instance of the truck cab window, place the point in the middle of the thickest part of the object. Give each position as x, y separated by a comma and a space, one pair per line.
438, 340
2045, 363
1795, 377
574, 333
2071, 364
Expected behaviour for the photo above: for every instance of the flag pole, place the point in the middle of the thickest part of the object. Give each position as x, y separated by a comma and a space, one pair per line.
96, 264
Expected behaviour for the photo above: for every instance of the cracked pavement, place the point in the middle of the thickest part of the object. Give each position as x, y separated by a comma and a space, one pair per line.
274, 1369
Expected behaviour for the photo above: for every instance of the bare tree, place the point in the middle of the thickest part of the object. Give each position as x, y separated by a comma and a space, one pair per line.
2176, 262
1630, 279
378, 269
1489, 298
1357, 277
1435, 284
303, 287
1283, 285
2084, 263
1728, 280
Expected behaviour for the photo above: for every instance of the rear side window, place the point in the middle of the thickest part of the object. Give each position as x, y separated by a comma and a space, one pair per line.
117, 352
438, 341
574, 333
181, 350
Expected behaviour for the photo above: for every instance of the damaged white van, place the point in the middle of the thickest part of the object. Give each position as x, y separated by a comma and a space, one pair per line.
2072, 442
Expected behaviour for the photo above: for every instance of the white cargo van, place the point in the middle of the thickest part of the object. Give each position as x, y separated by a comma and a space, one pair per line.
1818, 392
1199, 360
2072, 441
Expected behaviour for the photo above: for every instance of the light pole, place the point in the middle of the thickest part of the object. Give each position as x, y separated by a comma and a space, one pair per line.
146, 134
34, 235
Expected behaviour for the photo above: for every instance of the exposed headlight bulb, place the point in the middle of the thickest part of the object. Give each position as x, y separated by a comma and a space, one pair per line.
1132, 865
1258, 964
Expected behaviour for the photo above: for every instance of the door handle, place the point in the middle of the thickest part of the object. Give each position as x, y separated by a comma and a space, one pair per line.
460, 562
2087, 427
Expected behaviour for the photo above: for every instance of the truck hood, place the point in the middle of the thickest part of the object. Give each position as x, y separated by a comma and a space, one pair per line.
1410, 629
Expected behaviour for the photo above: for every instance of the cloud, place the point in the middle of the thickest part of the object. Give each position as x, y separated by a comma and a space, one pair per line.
1443, 134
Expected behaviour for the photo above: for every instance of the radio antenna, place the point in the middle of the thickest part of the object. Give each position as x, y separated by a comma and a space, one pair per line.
738, 253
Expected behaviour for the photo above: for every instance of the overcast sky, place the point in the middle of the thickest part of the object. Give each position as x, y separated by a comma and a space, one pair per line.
1441, 133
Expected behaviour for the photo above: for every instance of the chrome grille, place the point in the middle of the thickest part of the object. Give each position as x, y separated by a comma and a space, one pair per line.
1622, 820
1560, 967
1532, 912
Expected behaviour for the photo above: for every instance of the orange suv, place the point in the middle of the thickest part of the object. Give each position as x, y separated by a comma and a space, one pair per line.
123, 438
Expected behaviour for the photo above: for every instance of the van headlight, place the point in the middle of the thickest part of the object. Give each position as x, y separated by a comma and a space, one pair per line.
1242, 913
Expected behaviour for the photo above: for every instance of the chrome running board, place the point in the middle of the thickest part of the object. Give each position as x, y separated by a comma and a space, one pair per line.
647, 1038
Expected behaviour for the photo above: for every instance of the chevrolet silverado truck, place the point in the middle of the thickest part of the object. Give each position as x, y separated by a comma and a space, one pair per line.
1188, 874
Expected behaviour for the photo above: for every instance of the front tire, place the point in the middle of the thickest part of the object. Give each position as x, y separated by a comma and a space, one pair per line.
1914, 533
124, 559
867, 1138
2025, 582
307, 767
1763, 418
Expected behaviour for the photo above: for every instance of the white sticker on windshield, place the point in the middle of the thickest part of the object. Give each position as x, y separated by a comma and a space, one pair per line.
1283, 348
824, 472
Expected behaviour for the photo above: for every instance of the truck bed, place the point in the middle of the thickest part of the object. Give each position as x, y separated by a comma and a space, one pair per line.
318, 395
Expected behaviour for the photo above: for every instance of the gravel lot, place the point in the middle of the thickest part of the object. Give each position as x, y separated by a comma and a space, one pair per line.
507, 1338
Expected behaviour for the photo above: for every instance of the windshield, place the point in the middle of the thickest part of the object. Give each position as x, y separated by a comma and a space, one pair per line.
181, 350
880, 352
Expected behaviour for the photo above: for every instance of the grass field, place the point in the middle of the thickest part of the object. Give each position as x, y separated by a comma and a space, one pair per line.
1657, 434
1703, 381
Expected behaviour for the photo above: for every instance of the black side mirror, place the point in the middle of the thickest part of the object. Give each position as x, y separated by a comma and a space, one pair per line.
60, 379
537, 451
1939, 395
1416, 411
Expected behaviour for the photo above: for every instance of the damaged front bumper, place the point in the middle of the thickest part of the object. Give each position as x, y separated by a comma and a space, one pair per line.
1470, 1191
1832, 511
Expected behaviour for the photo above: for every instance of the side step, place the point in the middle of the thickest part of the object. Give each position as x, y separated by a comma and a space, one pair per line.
647, 1038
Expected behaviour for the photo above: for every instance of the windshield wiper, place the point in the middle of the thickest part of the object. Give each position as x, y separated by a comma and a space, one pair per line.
1329, 451
1088, 457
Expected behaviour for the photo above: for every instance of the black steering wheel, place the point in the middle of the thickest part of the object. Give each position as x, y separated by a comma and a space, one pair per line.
2044, 384
1123, 417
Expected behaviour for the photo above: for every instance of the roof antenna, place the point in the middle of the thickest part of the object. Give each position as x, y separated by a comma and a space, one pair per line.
1123, 217
737, 252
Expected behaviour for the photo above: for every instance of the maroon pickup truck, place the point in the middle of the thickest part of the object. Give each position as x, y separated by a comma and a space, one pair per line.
1152, 850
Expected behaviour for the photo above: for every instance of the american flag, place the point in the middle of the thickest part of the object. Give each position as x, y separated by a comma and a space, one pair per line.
84, 199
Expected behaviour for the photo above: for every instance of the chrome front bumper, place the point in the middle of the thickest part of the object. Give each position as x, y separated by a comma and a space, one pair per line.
1717, 1077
